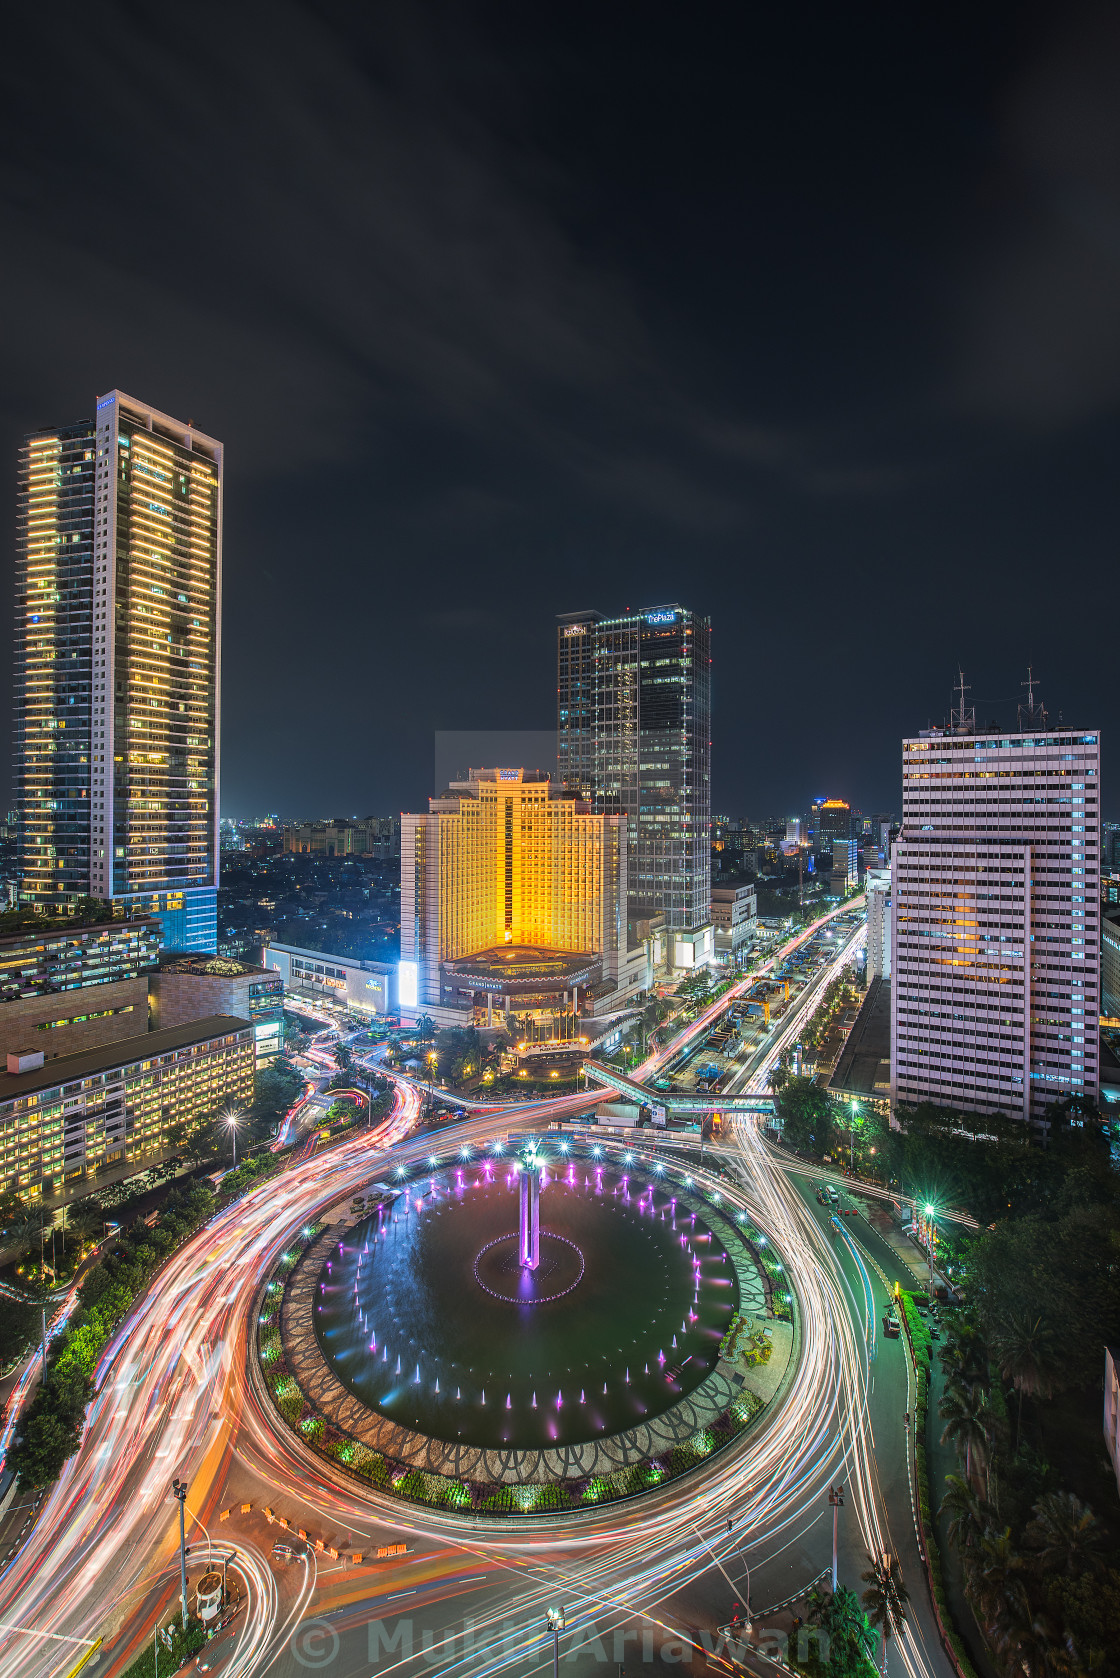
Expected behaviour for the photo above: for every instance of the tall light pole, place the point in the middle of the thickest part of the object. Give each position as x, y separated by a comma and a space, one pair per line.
231, 1117
836, 1498
555, 1625
179, 1487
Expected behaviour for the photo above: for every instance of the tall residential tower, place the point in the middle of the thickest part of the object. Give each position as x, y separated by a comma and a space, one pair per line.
634, 738
117, 666
995, 920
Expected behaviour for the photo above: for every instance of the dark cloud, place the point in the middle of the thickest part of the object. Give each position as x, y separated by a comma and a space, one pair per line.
804, 315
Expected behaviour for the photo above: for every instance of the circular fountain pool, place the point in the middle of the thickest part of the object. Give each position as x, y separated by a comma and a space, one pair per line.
425, 1314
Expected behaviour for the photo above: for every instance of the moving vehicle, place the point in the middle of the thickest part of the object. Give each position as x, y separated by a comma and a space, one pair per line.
892, 1328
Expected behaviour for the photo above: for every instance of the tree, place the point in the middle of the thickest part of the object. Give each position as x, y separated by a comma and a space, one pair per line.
851, 1643
425, 1028
885, 1598
969, 1516
964, 1356
1024, 1351
998, 1570
343, 1058
806, 1113
1067, 1535
42, 1451
967, 1417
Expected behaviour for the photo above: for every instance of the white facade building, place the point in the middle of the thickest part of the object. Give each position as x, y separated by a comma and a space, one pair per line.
877, 883
996, 930
734, 919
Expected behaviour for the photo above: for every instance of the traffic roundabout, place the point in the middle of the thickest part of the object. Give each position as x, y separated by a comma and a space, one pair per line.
407, 1342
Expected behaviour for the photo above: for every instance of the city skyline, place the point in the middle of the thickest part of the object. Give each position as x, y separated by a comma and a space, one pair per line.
839, 388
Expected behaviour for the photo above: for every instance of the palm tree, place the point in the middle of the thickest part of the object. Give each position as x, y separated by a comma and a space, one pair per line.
1026, 1640
969, 1516
885, 1598
425, 1028
1024, 1351
1066, 1534
967, 1417
343, 1058
964, 1356
997, 1573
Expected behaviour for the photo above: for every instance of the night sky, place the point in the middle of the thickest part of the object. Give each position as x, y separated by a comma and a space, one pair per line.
806, 316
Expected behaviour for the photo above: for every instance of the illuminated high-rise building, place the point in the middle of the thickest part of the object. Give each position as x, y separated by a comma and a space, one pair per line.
634, 716
514, 895
118, 599
995, 930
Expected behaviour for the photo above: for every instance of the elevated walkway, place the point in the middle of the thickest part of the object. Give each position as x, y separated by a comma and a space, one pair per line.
677, 1101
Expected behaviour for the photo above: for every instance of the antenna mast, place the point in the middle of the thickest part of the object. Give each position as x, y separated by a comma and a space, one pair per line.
962, 718
1030, 714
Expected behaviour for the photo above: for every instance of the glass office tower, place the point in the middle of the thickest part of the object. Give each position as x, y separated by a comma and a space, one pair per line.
634, 739
136, 617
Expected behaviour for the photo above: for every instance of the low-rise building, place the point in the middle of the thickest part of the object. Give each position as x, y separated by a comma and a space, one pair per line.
734, 919
186, 988
65, 1119
1110, 963
369, 987
376, 836
66, 987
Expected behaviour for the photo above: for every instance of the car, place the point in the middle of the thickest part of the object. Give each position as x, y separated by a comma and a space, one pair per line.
832, 1195
892, 1328
822, 1198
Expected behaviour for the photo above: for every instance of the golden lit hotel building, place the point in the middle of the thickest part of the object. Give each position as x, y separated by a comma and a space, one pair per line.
513, 897
117, 666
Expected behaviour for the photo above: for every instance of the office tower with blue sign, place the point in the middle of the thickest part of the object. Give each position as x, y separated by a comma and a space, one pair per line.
117, 663
634, 739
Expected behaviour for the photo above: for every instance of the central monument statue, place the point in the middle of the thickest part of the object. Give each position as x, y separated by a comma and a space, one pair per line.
529, 1239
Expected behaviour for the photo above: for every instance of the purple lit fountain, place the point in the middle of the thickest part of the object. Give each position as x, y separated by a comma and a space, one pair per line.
534, 1266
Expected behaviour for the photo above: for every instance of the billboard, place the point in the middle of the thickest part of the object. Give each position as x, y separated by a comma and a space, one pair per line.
408, 984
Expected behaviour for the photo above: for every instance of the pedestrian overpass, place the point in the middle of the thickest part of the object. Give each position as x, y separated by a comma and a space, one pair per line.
678, 1101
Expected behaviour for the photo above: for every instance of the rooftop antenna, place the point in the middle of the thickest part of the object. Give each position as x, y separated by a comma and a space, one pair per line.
962, 718
1030, 714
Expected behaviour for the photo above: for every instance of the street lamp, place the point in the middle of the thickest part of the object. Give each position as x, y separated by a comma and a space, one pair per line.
836, 1498
231, 1117
555, 1623
179, 1490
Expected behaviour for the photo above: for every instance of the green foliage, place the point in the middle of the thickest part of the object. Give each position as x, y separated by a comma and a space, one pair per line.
275, 1088
51, 1429
183, 1646
807, 1114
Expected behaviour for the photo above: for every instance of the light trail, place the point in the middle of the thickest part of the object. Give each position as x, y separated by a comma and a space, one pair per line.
179, 1394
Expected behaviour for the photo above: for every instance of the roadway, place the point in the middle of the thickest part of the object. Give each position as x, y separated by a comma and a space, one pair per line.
644, 1583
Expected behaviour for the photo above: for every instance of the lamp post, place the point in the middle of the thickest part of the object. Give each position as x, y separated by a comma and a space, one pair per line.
555, 1624
231, 1117
179, 1488
836, 1498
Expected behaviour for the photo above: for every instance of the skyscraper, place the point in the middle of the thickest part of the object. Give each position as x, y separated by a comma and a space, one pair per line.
118, 601
996, 934
634, 739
